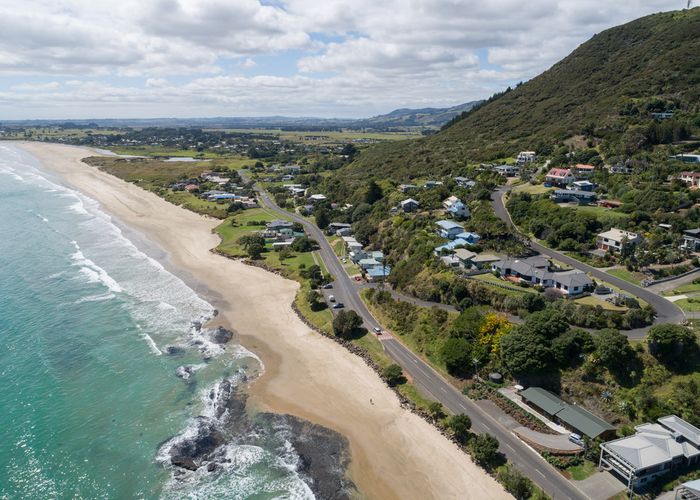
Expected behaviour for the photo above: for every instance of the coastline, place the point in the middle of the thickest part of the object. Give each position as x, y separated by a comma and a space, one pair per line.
394, 453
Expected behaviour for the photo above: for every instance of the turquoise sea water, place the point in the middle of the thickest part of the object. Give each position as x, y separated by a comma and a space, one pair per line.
88, 393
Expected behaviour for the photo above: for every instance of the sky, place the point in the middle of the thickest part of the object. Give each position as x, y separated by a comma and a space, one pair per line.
74, 59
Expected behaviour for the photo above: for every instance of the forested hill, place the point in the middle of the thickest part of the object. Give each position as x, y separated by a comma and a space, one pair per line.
611, 83
425, 117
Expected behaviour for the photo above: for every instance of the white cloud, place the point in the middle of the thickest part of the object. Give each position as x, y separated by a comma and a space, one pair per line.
336, 57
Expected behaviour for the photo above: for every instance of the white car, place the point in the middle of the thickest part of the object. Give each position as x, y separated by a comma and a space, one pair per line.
331, 298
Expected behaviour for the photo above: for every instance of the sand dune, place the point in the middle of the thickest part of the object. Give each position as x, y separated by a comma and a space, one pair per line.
395, 454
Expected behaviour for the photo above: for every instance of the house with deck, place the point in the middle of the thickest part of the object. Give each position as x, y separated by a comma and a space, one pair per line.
617, 239
654, 450
691, 240
448, 229
573, 196
691, 179
508, 170
560, 177
582, 171
525, 157
536, 271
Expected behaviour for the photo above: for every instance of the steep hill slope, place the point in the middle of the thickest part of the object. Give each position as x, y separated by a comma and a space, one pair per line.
609, 83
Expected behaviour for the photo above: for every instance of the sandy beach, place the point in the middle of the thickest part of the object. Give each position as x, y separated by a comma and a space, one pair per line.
395, 454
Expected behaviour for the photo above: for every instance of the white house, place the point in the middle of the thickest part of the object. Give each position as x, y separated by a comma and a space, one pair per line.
691, 179
615, 239
525, 157
653, 451
317, 198
448, 229
508, 170
560, 176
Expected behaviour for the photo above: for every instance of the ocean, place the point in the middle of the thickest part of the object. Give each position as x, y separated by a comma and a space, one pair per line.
105, 367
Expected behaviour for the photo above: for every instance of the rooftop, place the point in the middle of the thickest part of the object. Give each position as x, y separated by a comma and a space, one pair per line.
559, 172
618, 234
575, 416
448, 224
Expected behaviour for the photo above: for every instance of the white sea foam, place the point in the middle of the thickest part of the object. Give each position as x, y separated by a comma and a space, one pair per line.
95, 298
152, 345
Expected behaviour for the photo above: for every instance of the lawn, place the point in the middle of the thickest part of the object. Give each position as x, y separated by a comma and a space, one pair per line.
600, 212
323, 319
595, 301
512, 289
532, 189
689, 305
693, 287
631, 276
583, 471
195, 204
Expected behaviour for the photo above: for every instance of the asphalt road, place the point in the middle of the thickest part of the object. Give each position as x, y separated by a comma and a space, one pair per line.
666, 311
523, 457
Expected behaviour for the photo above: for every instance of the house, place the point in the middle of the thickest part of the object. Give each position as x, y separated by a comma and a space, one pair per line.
317, 198
191, 187
484, 260
377, 255
469, 237
535, 270
335, 226
409, 205
691, 179
465, 257
448, 229
654, 450
662, 115
573, 417
465, 182
450, 260
620, 169
405, 188
368, 263
508, 170
573, 196
525, 157
278, 225
306, 210
615, 239
582, 171
582, 185
560, 176
377, 274
691, 240
689, 490
449, 247
449, 202
687, 158
459, 210
432, 184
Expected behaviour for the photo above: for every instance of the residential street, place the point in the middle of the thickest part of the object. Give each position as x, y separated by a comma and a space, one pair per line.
666, 312
527, 460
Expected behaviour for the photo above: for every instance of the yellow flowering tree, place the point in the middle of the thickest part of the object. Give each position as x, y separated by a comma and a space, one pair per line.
494, 327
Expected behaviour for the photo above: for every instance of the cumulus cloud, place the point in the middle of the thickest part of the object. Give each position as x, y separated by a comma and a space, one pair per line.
331, 58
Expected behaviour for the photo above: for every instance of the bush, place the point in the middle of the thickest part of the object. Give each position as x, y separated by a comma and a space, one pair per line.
514, 482
347, 324
484, 449
460, 426
668, 342
393, 374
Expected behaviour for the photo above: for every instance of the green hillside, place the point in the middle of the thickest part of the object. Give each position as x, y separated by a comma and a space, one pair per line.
610, 84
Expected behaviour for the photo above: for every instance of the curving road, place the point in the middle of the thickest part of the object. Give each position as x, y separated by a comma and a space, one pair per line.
666, 311
423, 375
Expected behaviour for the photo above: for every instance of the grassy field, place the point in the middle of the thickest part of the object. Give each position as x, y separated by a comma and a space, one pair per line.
329, 137
157, 176
630, 276
595, 301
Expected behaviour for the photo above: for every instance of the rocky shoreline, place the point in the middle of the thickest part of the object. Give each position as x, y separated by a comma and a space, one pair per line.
321, 456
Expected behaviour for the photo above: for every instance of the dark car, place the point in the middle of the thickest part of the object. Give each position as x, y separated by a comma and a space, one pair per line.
338, 305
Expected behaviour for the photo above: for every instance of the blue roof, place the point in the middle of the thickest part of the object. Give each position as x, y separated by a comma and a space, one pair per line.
448, 224
377, 272
457, 206
468, 236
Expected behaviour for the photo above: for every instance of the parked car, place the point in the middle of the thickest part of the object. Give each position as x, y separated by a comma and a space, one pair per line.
331, 298
327, 286
576, 439
377, 330
339, 305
